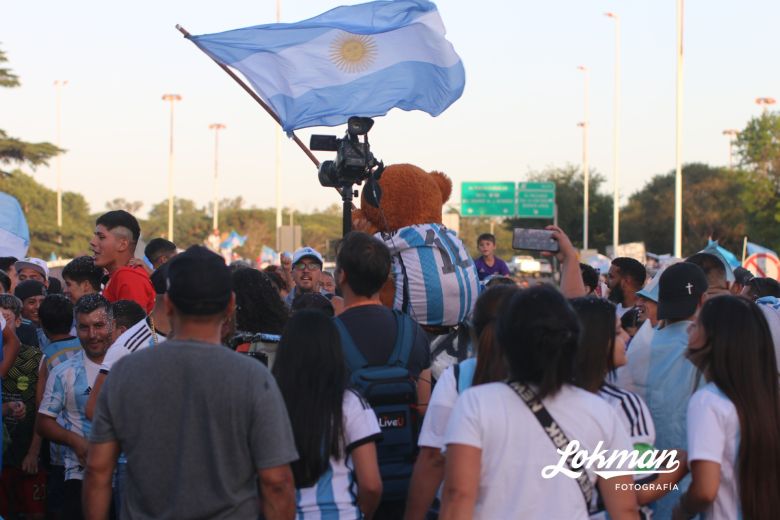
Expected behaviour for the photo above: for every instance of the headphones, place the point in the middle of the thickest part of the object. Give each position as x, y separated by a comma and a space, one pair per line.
372, 191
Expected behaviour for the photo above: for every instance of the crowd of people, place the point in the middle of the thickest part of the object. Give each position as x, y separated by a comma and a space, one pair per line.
187, 388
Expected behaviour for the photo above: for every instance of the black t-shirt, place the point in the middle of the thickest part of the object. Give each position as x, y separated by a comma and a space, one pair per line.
373, 330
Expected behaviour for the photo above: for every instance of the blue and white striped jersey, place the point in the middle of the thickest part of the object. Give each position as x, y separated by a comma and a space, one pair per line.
436, 282
334, 496
66, 394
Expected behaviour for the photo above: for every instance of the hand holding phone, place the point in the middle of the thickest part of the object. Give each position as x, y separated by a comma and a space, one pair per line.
534, 240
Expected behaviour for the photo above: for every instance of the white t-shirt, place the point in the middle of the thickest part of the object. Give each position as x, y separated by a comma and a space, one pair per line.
515, 448
335, 493
443, 398
137, 337
713, 433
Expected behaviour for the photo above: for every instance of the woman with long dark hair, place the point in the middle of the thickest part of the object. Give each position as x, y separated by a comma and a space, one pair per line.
488, 366
260, 313
602, 349
335, 430
498, 444
734, 420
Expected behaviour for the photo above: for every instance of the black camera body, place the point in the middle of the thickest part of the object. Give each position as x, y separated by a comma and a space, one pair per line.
354, 161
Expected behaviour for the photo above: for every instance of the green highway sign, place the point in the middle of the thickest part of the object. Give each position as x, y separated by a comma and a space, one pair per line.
487, 199
536, 200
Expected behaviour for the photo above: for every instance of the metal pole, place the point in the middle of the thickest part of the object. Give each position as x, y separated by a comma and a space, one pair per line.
585, 169
58, 84
172, 98
278, 161
215, 214
616, 138
678, 136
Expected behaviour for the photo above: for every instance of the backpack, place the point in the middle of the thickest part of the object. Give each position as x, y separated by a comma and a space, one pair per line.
392, 392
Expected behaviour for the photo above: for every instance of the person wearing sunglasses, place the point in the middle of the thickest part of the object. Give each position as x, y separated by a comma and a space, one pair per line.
306, 270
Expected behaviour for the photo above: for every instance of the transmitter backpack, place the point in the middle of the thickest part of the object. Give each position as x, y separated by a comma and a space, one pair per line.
392, 392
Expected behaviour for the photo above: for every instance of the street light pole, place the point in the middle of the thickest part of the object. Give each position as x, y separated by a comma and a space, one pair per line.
216, 127
58, 84
678, 135
731, 134
172, 98
585, 171
765, 103
616, 139
277, 162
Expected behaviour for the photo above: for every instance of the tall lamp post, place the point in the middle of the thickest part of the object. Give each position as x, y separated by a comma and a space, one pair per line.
678, 135
765, 103
585, 172
58, 84
277, 162
616, 138
171, 98
216, 127
731, 134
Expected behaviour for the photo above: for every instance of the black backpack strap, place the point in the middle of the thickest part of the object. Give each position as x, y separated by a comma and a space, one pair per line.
456, 372
556, 435
404, 339
352, 355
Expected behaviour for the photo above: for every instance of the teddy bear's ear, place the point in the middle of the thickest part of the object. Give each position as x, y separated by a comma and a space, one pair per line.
445, 185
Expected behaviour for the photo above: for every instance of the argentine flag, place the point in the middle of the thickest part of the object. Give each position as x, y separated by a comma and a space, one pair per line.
14, 233
359, 60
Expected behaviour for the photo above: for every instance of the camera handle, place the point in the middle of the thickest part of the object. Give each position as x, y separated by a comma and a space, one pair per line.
347, 194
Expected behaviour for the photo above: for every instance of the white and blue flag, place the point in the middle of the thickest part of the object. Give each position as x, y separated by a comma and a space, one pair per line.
359, 60
753, 249
14, 233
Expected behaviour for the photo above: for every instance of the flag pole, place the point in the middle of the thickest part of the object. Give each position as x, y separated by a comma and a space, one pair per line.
744, 249
257, 98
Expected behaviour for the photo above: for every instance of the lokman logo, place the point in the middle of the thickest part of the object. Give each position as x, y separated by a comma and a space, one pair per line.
611, 463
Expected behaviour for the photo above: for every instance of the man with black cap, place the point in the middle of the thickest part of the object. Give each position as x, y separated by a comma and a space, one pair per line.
671, 377
196, 421
31, 293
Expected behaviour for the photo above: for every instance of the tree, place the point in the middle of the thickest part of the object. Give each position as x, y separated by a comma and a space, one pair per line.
121, 203
569, 190
758, 146
191, 225
39, 205
16, 151
713, 207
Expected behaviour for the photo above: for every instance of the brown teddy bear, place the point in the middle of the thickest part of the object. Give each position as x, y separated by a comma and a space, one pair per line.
434, 278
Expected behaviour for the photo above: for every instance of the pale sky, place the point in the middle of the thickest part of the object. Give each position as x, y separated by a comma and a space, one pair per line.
519, 111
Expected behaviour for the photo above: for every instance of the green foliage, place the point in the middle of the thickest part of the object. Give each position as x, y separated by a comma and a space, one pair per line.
758, 146
40, 207
712, 207
121, 203
13, 150
7, 78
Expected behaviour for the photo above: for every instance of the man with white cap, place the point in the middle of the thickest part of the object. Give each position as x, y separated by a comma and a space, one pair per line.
306, 270
638, 350
32, 269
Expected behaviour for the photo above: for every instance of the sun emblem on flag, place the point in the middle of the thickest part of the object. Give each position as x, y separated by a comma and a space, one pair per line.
353, 52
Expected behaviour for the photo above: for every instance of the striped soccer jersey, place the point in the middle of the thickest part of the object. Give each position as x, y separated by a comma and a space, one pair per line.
67, 391
436, 282
137, 337
334, 496
633, 413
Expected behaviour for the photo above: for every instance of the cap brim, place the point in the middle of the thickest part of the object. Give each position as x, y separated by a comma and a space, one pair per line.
678, 309
21, 264
648, 295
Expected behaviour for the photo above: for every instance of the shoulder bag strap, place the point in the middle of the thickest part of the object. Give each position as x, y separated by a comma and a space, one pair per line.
556, 435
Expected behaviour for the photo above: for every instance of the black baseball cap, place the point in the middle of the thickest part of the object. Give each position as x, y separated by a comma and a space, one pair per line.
679, 291
28, 289
198, 282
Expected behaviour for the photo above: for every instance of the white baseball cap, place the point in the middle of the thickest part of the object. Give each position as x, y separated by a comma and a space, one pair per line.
304, 252
33, 263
